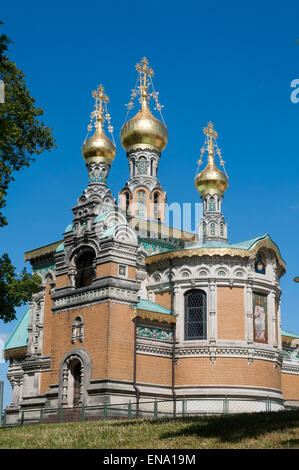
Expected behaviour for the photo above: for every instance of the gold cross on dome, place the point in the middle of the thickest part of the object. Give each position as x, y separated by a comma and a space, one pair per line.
211, 134
145, 71
100, 99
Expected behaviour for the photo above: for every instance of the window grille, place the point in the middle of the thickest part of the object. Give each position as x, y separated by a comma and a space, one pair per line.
195, 315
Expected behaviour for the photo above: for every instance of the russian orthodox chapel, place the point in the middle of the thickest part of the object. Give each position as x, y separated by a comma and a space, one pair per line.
132, 309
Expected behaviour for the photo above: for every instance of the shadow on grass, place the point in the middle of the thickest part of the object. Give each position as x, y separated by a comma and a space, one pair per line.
234, 428
227, 428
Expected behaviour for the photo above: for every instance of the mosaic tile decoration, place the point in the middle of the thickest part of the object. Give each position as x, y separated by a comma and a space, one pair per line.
154, 333
152, 247
43, 269
291, 355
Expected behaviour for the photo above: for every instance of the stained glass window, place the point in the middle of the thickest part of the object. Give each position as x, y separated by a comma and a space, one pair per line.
195, 315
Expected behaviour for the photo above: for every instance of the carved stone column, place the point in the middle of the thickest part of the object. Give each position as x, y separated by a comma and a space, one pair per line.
249, 313
272, 319
212, 312
179, 310
279, 323
64, 385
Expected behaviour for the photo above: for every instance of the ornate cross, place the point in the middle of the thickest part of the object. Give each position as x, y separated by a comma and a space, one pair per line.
145, 71
100, 99
211, 134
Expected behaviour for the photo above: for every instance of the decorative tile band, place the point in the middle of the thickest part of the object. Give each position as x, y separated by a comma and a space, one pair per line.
154, 333
151, 248
43, 269
291, 355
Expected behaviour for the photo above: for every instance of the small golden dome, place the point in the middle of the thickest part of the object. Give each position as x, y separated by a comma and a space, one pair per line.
144, 131
211, 180
98, 148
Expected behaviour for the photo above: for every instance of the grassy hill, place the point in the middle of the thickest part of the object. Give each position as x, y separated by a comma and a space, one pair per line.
243, 431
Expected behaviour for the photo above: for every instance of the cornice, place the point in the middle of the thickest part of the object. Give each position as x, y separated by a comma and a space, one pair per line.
288, 368
213, 352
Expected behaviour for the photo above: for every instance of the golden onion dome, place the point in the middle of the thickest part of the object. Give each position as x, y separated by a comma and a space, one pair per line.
144, 131
211, 180
99, 148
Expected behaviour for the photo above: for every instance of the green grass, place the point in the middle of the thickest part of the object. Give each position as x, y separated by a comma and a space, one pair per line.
243, 431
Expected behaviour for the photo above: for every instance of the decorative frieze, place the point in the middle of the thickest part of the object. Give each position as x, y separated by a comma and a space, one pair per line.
92, 297
290, 368
160, 334
151, 349
214, 352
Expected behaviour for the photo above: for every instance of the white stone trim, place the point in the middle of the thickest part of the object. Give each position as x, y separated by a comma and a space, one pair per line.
102, 295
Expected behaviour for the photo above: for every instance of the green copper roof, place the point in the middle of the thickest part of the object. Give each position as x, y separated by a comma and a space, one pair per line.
287, 333
109, 232
19, 336
152, 307
69, 228
245, 245
60, 247
100, 217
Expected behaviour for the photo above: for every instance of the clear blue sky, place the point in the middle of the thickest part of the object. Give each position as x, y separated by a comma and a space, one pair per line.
229, 62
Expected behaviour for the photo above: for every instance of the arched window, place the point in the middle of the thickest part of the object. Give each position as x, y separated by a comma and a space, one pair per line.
156, 205
260, 264
212, 204
74, 378
141, 203
195, 315
213, 229
85, 269
72, 382
221, 230
127, 196
75, 370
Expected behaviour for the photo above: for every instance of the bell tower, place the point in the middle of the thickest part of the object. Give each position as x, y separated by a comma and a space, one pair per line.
144, 137
98, 152
211, 183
